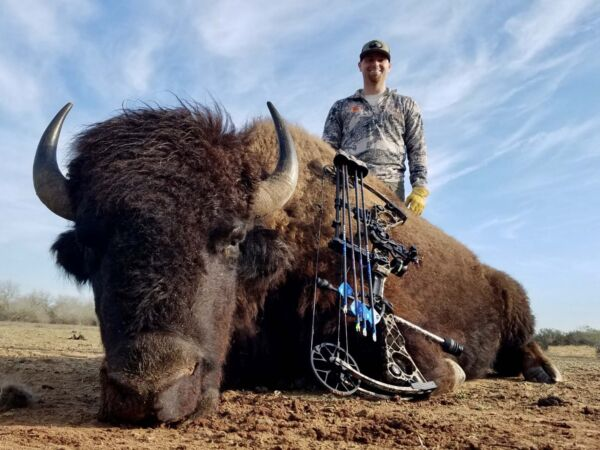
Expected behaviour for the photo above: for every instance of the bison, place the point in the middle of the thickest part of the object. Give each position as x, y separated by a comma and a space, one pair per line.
201, 263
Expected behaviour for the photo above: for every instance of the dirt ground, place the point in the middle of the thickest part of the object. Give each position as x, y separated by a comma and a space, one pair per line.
491, 413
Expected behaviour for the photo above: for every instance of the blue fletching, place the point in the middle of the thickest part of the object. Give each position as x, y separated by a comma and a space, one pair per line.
348, 289
359, 309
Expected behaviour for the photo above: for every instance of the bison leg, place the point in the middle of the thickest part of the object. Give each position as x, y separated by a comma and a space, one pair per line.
537, 367
529, 360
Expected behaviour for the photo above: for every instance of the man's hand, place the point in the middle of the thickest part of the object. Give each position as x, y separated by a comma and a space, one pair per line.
416, 200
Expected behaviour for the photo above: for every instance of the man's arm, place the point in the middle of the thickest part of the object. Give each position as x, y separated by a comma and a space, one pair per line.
414, 139
332, 131
416, 151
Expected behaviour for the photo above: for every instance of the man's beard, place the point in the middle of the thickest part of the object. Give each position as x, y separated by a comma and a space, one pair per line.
375, 77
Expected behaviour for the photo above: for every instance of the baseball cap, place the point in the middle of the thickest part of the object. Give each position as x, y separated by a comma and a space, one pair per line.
375, 46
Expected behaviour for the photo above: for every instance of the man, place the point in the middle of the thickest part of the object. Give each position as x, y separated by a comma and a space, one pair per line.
382, 128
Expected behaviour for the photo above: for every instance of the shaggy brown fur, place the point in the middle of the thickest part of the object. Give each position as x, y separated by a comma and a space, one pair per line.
180, 270
452, 293
143, 177
162, 202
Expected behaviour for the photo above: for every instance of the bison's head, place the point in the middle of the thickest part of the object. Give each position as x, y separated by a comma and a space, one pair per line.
164, 204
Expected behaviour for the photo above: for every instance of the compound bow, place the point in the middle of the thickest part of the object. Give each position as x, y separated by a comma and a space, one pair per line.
368, 257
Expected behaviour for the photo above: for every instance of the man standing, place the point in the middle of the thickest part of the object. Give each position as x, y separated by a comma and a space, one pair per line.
382, 128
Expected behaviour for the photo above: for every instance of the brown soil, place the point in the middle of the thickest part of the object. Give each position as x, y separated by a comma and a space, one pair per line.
62, 374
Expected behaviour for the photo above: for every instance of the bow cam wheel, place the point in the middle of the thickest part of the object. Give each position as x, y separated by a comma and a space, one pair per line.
331, 375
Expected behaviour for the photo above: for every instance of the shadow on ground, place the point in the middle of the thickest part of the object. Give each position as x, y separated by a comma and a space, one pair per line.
65, 389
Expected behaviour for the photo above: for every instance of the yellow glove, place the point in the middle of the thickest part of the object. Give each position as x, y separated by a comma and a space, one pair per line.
416, 200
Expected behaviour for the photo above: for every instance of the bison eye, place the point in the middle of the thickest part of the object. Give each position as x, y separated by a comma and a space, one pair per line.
232, 249
226, 239
237, 235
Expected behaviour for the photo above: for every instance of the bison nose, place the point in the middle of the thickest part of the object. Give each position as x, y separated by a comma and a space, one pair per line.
132, 399
179, 398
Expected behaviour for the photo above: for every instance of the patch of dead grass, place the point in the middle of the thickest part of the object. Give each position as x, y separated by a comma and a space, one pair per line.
578, 351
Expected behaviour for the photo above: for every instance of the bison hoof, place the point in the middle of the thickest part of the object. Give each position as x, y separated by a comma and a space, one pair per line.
458, 372
547, 373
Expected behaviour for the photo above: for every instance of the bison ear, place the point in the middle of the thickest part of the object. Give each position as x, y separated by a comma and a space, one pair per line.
70, 255
264, 257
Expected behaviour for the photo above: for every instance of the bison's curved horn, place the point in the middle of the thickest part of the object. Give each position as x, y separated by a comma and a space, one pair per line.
50, 184
275, 191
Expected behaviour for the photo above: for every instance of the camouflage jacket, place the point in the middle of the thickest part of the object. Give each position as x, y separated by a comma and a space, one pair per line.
383, 139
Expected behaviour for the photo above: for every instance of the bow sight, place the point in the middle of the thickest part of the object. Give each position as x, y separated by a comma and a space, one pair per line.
368, 257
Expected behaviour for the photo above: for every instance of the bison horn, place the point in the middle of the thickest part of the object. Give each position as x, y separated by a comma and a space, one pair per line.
50, 184
275, 191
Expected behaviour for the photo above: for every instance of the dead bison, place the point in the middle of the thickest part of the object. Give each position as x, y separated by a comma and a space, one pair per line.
198, 241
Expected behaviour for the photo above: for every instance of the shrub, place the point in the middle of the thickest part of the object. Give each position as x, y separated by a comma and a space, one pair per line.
8, 291
548, 336
41, 307
72, 311
582, 336
32, 307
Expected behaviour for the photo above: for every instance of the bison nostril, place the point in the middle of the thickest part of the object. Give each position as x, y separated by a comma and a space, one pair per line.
180, 398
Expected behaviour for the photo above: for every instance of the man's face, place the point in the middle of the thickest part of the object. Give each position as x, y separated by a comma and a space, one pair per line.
374, 67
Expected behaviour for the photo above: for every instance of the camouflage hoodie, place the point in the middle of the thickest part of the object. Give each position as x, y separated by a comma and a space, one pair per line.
382, 137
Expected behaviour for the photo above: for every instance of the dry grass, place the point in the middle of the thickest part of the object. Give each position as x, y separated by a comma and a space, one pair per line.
482, 414
31, 339
576, 351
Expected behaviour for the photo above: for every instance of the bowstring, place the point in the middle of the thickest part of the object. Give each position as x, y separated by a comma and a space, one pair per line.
369, 274
318, 243
349, 212
360, 248
345, 260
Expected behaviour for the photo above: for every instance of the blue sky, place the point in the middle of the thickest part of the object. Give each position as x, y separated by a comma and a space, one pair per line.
509, 92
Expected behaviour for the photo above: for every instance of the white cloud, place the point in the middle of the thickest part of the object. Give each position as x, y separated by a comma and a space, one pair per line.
558, 142
44, 25
457, 84
436, 27
260, 47
497, 222
19, 89
36, 35
138, 60
465, 91
543, 25
449, 170
240, 29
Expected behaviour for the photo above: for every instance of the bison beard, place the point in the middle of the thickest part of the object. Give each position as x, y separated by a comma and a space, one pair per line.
196, 290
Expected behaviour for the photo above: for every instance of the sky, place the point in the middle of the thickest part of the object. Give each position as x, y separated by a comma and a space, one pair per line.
509, 92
